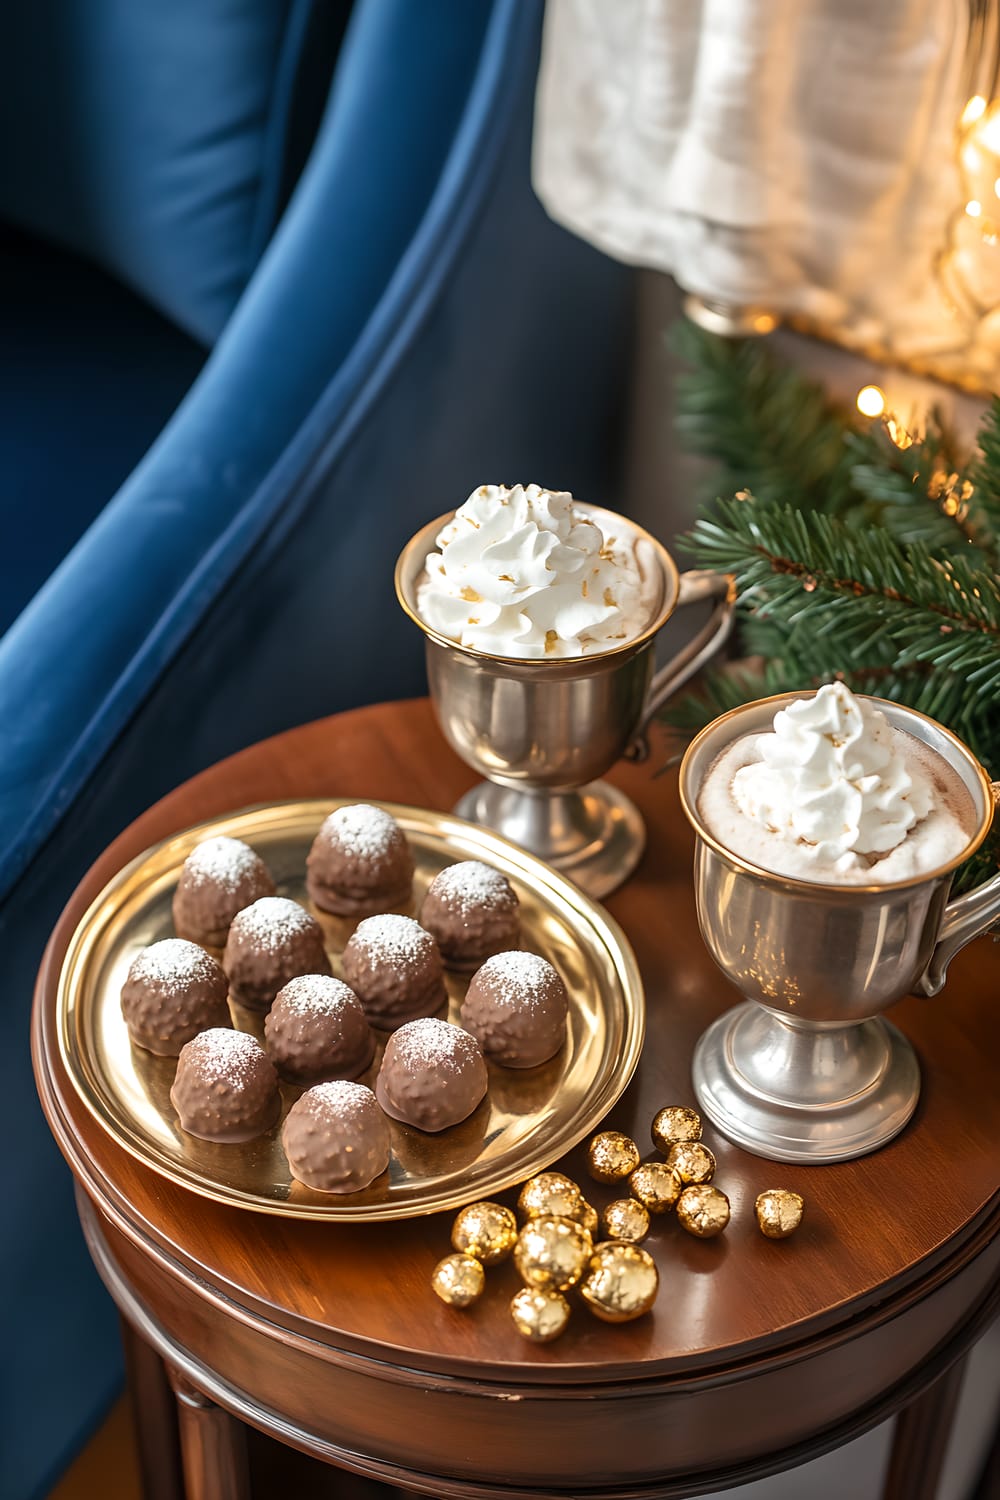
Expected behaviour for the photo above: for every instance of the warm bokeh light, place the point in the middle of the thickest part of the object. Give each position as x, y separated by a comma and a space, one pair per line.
973, 110
766, 322
898, 433
973, 208
871, 401
988, 133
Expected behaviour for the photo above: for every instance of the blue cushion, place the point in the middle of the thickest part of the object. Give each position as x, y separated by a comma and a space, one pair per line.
88, 377
151, 136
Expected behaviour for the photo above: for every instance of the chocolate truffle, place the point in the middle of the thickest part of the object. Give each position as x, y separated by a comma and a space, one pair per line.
225, 1088
516, 1007
359, 863
269, 943
395, 969
316, 1029
173, 990
336, 1138
432, 1075
471, 911
219, 878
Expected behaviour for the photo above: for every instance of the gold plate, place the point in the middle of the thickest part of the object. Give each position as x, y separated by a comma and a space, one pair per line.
528, 1119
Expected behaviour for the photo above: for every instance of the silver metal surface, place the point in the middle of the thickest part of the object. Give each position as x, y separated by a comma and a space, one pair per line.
542, 731
807, 1073
837, 1094
595, 835
730, 320
695, 586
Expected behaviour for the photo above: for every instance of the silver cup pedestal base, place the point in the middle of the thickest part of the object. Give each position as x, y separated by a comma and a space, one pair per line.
802, 1091
593, 835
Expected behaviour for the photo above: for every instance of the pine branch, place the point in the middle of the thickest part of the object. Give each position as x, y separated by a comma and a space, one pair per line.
919, 494
984, 476
805, 566
770, 429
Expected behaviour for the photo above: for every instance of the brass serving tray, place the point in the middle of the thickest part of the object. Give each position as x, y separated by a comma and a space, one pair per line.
528, 1118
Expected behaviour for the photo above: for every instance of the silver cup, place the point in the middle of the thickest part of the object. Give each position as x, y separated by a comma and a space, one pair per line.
809, 1071
540, 732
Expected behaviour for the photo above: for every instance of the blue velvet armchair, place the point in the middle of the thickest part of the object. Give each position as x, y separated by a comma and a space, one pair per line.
309, 228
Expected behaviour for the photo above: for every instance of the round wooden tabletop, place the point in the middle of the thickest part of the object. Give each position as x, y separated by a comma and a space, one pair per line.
796, 1342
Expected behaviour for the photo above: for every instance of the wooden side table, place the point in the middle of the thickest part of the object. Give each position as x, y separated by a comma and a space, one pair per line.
758, 1354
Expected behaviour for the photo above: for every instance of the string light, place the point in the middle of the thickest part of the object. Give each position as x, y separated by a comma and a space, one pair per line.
871, 401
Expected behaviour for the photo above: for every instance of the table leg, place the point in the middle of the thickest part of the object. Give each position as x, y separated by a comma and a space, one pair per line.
213, 1446
921, 1439
154, 1417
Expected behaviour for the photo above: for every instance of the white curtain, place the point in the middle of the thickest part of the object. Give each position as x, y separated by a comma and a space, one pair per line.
798, 155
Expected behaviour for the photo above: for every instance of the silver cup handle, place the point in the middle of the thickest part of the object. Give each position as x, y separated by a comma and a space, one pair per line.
964, 919
695, 585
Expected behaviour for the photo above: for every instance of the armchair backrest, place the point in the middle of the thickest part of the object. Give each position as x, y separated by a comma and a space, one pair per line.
156, 138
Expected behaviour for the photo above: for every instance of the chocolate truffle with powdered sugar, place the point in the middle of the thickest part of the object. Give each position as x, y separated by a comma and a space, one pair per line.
173, 990
432, 1075
317, 1030
269, 943
219, 878
471, 911
359, 863
395, 969
225, 1087
516, 1007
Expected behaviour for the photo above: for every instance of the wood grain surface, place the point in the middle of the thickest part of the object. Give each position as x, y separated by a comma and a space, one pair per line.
898, 1248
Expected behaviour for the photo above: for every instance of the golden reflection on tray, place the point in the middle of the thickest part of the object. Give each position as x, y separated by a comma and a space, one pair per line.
529, 1117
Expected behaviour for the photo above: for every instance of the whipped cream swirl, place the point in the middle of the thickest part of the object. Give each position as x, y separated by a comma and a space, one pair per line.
523, 572
830, 777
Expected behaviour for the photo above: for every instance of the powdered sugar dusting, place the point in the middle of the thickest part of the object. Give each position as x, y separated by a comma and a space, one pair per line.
173, 963
431, 1044
395, 940
317, 994
351, 1102
223, 862
224, 1055
471, 885
520, 978
362, 830
269, 921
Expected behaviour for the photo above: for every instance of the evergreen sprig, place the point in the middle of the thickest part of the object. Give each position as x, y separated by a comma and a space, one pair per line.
835, 598
858, 551
765, 426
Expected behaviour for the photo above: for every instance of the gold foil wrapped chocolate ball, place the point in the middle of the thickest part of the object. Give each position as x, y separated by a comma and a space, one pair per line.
551, 1254
621, 1282
458, 1280
539, 1316
612, 1156
703, 1210
674, 1124
550, 1195
656, 1184
692, 1161
486, 1230
590, 1219
779, 1213
626, 1219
